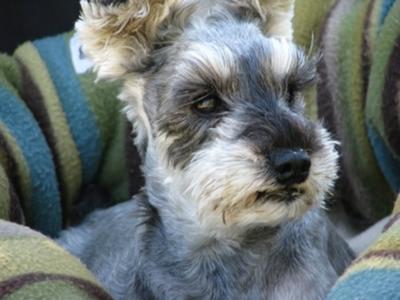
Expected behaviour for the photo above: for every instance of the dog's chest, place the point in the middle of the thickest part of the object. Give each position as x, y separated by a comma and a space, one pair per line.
239, 278
254, 286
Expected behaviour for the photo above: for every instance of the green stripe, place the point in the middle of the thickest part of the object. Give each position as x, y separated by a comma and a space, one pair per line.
114, 171
308, 17
363, 163
22, 170
9, 73
373, 29
4, 193
48, 290
102, 98
384, 47
67, 153
37, 255
17, 283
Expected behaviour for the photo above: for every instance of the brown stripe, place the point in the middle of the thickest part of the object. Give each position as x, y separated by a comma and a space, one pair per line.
389, 107
11, 285
136, 180
366, 55
16, 212
392, 221
392, 254
33, 98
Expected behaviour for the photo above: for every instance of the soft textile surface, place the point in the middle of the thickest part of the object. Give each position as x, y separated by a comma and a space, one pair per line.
376, 273
64, 144
34, 267
62, 138
358, 98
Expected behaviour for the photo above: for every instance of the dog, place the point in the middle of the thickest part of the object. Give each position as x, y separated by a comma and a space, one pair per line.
236, 175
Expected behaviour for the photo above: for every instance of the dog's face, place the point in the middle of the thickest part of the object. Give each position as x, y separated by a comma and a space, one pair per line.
217, 98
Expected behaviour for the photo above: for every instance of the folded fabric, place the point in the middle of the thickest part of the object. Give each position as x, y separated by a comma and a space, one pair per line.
60, 135
376, 273
358, 100
34, 267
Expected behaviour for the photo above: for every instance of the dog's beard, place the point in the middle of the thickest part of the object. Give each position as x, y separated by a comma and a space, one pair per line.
227, 187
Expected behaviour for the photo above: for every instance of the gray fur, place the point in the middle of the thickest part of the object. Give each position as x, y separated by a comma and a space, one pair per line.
212, 221
134, 257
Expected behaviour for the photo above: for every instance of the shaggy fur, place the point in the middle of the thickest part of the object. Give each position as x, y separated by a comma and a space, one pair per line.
214, 221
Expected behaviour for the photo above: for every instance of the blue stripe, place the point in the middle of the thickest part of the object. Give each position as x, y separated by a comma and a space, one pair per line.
369, 285
45, 203
386, 6
55, 53
389, 165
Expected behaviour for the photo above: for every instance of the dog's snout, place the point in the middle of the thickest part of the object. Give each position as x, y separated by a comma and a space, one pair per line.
292, 166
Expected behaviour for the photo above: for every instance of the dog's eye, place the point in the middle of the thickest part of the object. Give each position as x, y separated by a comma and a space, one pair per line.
207, 105
291, 94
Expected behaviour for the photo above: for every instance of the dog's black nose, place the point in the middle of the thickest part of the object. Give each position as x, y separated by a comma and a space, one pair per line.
292, 166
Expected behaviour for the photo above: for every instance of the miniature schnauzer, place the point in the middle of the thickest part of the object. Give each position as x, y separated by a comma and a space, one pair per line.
236, 175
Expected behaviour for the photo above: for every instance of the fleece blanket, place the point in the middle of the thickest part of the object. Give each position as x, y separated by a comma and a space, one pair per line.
376, 273
35, 268
358, 99
64, 143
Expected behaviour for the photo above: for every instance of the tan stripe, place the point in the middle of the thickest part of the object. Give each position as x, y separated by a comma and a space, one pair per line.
396, 208
389, 241
65, 146
35, 102
11, 285
392, 254
43, 255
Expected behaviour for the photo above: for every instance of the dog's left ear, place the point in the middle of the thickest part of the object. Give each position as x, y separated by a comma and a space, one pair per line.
118, 34
278, 16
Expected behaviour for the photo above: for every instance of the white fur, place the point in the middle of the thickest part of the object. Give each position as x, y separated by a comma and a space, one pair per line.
283, 56
215, 194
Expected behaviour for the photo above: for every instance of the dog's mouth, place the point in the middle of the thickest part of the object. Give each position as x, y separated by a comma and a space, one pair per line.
287, 195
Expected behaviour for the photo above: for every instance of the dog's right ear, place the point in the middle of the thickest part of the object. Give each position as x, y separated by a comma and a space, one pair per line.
117, 34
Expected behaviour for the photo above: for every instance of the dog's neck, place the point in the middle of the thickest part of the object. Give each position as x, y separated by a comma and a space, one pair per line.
262, 254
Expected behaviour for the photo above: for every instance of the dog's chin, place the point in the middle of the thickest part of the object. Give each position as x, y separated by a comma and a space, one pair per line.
287, 195
271, 209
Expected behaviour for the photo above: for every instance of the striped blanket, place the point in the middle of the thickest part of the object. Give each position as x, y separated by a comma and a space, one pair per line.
358, 98
64, 145
33, 267
63, 140
376, 273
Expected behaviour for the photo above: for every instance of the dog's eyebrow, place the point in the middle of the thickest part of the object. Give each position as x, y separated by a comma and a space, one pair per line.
283, 57
208, 64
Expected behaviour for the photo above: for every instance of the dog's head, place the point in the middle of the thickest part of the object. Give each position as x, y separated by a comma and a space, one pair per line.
215, 90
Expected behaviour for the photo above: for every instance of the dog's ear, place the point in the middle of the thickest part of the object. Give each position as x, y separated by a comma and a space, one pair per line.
117, 34
278, 17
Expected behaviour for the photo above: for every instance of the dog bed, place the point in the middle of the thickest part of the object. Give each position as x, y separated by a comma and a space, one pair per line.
64, 145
